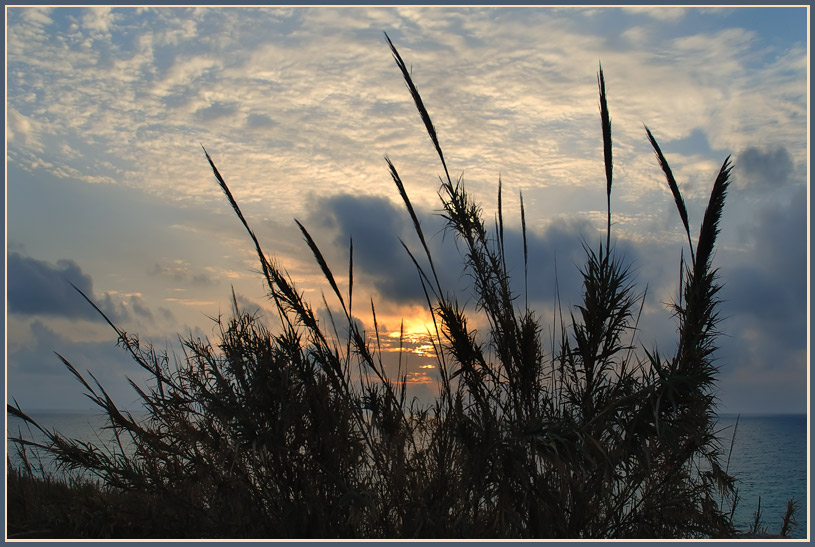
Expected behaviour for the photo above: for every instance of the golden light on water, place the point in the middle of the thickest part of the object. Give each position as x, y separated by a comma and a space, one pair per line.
418, 378
406, 343
415, 336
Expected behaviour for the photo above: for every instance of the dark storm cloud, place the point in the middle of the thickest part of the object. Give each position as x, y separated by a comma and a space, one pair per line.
769, 168
555, 259
36, 287
376, 225
767, 287
764, 310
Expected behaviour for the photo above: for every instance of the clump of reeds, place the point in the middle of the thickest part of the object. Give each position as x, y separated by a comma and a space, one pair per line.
300, 431
789, 521
757, 528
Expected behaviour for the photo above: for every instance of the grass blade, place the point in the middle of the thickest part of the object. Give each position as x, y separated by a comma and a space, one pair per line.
501, 227
680, 203
710, 223
416, 224
428, 123
323, 264
607, 158
526, 250
267, 270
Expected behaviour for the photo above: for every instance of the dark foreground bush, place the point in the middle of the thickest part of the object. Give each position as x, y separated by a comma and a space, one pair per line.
299, 431
45, 506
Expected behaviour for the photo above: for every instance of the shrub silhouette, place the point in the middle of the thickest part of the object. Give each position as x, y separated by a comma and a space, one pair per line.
299, 431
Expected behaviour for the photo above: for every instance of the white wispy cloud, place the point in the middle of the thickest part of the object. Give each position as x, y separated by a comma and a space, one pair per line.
322, 100
661, 13
511, 91
98, 21
23, 130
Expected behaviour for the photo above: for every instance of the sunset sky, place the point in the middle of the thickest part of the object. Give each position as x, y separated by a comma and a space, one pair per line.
107, 184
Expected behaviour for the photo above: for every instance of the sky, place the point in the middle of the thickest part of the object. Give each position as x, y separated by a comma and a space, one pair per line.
107, 185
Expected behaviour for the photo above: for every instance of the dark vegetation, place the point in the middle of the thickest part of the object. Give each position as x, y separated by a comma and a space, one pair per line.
298, 430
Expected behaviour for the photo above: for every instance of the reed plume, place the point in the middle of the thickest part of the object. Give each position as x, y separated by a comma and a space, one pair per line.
605, 122
680, 203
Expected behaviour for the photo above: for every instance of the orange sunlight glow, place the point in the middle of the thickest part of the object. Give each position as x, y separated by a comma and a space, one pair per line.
419, 323
418, 378
416, 338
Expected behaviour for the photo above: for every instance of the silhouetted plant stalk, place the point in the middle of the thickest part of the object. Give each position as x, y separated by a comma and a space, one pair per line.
299, 433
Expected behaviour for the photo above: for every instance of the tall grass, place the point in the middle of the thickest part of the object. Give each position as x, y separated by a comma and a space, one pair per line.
300, 431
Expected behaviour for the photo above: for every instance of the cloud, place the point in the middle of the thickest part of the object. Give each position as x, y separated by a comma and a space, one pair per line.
768, 279
38, 17
512, 101
765, 168
246, 305
139, 307
98, 20
377, 225
259, 121
764, 309
23, 130
36, 287
185, 71
216, 111
38, 379
38, 355
660, 13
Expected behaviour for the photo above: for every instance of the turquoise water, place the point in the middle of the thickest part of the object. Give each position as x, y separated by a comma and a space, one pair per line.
769, 459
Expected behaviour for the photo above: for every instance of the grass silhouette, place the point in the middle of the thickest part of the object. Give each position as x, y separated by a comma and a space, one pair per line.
298, 431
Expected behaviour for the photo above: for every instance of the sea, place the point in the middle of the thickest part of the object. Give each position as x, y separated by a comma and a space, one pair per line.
768, 458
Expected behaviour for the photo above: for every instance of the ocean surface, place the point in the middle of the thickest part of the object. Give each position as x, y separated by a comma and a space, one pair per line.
769, 459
